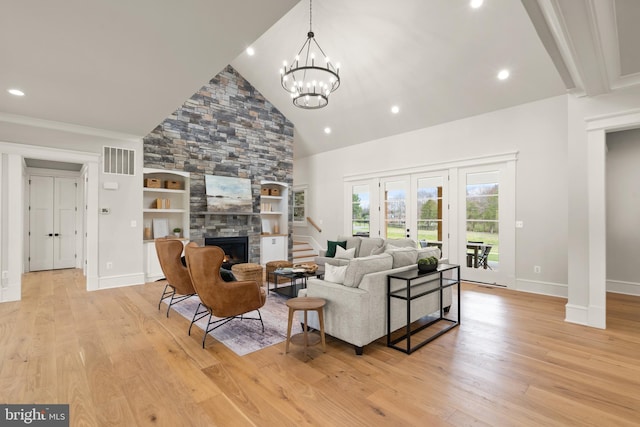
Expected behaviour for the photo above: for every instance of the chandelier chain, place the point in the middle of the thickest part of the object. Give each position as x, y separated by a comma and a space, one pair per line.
310, 12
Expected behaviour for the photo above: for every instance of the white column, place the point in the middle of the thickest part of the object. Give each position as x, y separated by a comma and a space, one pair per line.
596, 180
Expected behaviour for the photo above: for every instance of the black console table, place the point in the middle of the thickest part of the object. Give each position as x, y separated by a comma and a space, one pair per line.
431, 282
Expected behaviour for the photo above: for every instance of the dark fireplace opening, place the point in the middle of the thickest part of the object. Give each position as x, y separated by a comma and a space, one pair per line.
236, 249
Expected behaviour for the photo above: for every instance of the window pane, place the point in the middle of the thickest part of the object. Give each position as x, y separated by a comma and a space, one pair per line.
429, 200
395, 209
360, 210
482, 193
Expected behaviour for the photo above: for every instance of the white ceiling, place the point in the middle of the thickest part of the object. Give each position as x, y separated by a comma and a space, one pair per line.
123, 66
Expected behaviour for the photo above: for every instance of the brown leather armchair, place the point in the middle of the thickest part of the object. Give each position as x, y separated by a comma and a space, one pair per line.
226, 300
177, 275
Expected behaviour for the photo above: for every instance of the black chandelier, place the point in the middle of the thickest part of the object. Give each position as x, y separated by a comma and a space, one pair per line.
310, 82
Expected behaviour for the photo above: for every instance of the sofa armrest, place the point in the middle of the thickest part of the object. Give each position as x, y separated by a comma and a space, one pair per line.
322, 260
346, 314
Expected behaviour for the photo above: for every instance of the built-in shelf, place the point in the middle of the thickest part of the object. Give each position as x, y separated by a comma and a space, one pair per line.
271, 197
163, 190
271, 213
176, 199
225, 213
164, 210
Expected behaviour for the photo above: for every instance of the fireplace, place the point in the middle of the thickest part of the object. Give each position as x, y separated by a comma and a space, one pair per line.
236, 249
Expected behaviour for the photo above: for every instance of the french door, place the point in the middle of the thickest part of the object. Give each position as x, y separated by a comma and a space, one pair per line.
52, 223
416, 206
486, 218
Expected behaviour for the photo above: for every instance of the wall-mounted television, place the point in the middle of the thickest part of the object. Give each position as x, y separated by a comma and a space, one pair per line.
228, 194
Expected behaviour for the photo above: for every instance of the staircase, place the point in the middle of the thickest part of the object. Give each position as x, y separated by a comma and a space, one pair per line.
303, 252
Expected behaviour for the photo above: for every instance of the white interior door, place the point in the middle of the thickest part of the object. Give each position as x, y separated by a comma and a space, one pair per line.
41, 223
52, 220
64, 227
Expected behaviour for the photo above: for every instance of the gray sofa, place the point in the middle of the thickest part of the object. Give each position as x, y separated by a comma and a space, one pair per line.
364, 246
356, 309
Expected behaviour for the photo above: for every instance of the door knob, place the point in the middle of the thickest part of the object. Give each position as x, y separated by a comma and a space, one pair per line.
57, 234
50, 234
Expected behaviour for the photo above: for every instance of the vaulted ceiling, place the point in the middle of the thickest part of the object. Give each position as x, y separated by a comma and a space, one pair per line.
123, 66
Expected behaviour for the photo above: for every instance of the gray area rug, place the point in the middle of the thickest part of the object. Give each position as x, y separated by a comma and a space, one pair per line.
245, 336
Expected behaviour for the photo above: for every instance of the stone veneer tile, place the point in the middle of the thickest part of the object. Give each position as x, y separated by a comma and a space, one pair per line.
227, 128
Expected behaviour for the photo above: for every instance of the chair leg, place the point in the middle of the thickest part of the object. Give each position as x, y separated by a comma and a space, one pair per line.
261, 322
200, 313
165, 294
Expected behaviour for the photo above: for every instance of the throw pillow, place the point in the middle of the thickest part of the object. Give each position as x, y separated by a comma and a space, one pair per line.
359, 267
331, 248
335, 273
403, 256
345, 253
227, 275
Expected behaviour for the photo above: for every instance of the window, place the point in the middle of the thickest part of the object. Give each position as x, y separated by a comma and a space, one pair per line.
429, 209
482, 217
360, 216
300, 205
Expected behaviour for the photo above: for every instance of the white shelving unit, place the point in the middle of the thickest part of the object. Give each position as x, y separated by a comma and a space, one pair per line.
176, 214
274, 216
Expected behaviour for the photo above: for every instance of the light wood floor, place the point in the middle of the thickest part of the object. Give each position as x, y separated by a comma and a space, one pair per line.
117, 360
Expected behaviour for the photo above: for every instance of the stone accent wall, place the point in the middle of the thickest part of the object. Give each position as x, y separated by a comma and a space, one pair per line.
227, 128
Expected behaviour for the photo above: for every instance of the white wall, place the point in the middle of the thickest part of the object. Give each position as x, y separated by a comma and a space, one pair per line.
537, 131
623, 211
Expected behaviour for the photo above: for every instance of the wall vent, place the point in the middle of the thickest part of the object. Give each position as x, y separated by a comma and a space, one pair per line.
118, 161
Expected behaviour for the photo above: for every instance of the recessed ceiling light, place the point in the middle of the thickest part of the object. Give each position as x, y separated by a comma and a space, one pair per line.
250, 51
476, 3
16, 92
327, 130
503, 74
395, 109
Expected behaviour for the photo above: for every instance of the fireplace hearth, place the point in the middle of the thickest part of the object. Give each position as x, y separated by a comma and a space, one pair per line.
236, 249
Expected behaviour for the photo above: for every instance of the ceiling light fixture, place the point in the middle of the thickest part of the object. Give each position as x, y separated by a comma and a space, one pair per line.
327, 130
503, 74
16, 92
250, 51
311, 77
476, 3
395, 109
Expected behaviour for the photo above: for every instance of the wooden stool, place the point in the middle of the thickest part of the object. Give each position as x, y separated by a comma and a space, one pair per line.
306, 339
247, 271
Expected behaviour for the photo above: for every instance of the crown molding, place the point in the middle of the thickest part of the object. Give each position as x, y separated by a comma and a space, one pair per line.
66, 127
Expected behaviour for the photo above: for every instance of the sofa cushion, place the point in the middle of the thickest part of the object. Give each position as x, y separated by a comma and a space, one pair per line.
368, 244
345, 253
352, 242
429, 251
403, 256
358, 267
402, 243
331, 247
335, 273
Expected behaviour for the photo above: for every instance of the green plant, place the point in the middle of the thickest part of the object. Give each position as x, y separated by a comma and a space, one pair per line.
430, 261
177, 230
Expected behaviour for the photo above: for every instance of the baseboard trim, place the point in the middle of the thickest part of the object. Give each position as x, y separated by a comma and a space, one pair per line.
10, 293
543, 288
109, 282
620, 287
577, 314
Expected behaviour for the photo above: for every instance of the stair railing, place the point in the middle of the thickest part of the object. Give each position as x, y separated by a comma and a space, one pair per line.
312, 222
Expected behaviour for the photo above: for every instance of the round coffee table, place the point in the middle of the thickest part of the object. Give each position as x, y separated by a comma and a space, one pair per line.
305, 338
